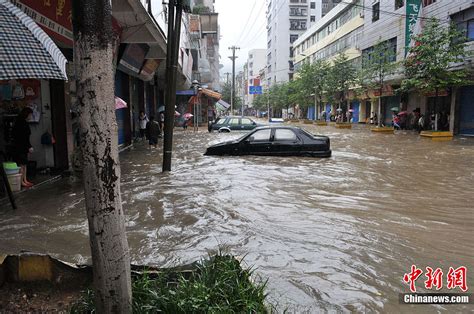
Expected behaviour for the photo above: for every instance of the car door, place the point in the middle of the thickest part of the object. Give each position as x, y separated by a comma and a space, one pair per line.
285, 142
247, 124
257, 143
234, 124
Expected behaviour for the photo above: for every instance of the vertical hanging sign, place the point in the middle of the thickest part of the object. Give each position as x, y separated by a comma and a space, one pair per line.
413, 20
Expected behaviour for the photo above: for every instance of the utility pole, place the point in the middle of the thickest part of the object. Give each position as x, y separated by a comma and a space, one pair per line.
232, 92
174, 32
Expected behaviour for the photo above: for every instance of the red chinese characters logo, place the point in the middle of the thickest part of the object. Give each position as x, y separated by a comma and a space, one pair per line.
412, 277
455, 278
435, 278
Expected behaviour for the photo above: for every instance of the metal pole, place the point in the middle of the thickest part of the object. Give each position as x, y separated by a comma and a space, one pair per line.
232, 91
195, 115
174, 31
268, 107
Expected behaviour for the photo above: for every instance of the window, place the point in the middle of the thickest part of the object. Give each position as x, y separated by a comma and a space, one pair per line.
376, 12
234, 121
297, 25
246, 121
391, 46
428, 2
313, 5
399, 4
291, 52
470, 30
297, 11
293, 38
312, 18
261, 135
285, 135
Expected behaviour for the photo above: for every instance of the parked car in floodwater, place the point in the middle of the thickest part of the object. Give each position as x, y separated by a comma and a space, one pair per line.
275, 141
227, 124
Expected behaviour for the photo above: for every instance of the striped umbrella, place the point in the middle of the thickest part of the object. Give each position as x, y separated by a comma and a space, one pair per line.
26, 51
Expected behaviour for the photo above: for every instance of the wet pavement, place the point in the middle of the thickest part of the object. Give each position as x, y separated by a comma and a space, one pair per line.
332, 234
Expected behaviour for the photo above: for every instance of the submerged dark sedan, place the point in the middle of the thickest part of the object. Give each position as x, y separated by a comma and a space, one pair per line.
275, 141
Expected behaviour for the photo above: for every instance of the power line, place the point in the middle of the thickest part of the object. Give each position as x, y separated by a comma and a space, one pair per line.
395, 13
250, 42
248, 20
260, 11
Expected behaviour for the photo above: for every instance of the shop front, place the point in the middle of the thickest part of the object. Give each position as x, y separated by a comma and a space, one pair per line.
466, 111
32, 75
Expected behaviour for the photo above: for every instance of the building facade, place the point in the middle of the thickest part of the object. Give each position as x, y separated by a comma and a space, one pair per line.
354, 28
339, 31
255, 63
287, 20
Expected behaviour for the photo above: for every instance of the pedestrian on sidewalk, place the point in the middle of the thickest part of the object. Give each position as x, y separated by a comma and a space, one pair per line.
21, 143
152, 131
142, 122
161, 120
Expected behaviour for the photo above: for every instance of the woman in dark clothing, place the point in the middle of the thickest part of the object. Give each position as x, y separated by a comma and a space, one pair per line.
21, 141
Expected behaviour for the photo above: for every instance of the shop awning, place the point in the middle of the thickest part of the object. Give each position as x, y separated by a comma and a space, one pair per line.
26, 51
224, 104
211, 93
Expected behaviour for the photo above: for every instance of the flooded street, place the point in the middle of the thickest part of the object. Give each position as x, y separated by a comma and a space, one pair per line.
332, 234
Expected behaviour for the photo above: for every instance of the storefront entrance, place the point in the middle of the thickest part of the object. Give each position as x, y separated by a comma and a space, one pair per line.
466, 111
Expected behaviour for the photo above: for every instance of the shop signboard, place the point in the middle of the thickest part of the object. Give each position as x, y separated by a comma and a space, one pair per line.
133, 58
149, 69
54, 16
413, 22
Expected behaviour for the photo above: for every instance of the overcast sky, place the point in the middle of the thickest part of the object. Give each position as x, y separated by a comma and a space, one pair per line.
242, 23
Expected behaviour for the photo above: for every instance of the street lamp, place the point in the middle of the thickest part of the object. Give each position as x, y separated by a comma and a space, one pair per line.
195, 86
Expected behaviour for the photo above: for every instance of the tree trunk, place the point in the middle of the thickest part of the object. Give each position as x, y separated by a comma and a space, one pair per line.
453, 111
93, 55
379, 111
436, 110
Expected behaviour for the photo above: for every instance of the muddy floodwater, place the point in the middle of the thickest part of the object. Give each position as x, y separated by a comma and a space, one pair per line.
334, 234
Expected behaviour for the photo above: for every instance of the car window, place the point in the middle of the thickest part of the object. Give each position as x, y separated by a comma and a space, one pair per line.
261, 135
221, 121
234, 121
285, 135
246, 121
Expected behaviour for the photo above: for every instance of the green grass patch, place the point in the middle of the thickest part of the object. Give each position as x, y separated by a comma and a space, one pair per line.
217, 285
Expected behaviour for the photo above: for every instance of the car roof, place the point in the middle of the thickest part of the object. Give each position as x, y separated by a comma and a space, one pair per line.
224, 117
278, 127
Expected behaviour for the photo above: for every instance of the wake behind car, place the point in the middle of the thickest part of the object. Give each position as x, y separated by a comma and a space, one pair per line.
275, 141
227, 124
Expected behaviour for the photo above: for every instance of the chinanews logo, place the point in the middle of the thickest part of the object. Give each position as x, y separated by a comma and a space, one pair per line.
455, 280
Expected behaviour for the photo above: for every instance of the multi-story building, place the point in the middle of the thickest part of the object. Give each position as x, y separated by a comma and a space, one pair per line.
328, 5
354, 28
286, 21
385, 21
255, 62
339, 31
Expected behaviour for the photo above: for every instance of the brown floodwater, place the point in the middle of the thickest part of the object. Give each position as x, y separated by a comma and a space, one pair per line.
334, 234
